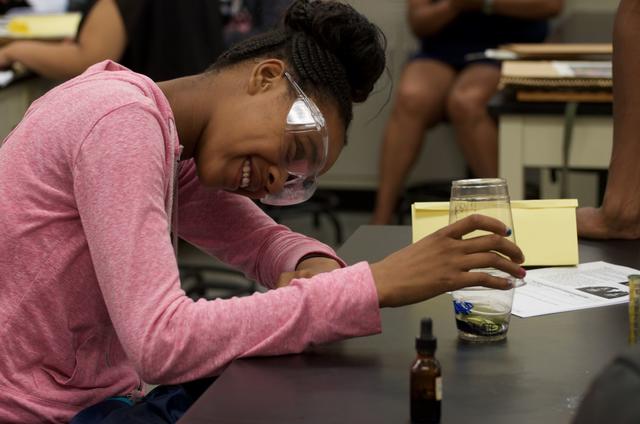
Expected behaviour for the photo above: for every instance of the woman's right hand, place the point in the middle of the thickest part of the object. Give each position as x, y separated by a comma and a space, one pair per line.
441, 262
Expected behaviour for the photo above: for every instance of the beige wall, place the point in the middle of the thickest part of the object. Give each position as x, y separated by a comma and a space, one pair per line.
591, 5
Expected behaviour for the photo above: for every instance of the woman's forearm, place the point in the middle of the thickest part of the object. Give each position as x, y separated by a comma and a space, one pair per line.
54, 60
427, 17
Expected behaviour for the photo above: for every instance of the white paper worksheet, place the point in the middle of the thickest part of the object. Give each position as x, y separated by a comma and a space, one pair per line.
5, 78
560, 289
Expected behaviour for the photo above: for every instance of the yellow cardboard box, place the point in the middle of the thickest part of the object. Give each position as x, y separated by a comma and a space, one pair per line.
545, 230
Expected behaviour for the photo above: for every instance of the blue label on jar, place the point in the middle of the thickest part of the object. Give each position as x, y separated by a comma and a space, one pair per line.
463, 308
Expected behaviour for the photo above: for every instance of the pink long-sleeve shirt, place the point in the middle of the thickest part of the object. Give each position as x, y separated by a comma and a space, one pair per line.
90, 297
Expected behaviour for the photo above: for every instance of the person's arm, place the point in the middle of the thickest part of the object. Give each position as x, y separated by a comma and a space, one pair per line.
232, 228
427, 17
619, 215
527, 9
103, 36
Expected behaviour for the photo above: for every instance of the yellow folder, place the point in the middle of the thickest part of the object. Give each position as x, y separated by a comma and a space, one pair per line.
545, 230
50, 26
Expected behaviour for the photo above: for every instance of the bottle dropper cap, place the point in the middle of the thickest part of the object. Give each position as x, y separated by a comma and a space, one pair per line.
426, 342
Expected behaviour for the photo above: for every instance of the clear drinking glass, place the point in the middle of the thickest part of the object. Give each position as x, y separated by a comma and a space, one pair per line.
483, 314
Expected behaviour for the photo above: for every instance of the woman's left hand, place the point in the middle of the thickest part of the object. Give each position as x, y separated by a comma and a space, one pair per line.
307, 269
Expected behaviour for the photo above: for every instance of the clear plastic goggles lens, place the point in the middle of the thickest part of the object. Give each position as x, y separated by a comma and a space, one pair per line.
305, 152
296, 190
300, 115
306, 145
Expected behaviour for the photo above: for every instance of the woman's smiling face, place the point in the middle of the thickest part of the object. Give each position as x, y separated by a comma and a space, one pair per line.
243, 149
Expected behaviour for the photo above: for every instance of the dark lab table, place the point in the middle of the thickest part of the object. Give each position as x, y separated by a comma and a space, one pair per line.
536, 376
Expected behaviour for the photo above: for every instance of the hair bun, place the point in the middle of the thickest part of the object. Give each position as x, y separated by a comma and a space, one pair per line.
337, 27
298, 17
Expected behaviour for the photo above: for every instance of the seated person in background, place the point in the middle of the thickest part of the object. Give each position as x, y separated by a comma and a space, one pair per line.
162, 39
439, 82
103, 168
246, 18
619, 215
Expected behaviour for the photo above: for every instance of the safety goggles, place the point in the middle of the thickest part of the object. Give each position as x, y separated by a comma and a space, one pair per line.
306, 145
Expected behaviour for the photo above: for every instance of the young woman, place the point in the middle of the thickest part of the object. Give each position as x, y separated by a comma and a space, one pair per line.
104, 167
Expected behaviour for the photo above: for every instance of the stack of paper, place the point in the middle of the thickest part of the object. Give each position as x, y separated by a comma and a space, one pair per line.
559, 80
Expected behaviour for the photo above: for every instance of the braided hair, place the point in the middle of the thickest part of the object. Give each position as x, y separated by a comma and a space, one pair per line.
334, 52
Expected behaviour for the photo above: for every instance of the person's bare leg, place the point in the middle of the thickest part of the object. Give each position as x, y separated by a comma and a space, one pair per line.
619, 215
476, 131
419, 104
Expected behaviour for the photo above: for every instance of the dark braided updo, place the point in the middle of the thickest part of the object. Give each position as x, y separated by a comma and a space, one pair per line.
332, 51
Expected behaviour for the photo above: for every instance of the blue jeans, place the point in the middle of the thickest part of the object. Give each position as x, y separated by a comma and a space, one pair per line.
163, 405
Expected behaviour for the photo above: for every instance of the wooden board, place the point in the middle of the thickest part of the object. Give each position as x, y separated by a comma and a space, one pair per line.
552, 51
564, 96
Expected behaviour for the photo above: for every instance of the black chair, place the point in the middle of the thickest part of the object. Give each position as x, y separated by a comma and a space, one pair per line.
435, 191
204, 277
323, 203
214, 281
211, 280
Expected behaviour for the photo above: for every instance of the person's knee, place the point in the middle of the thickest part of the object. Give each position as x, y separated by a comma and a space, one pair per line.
466, 105
414, 101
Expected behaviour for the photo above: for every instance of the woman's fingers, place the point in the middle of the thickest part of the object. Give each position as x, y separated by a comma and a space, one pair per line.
493, 260
442, 262
473, 223
470, 279
493, 242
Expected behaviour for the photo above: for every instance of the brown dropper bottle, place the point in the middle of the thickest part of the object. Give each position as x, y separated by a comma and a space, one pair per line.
426, 378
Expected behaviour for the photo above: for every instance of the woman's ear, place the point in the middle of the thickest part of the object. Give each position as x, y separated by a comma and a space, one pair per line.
265, 74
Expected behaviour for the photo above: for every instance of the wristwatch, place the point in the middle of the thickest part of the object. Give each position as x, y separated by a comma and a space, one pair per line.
487, 7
